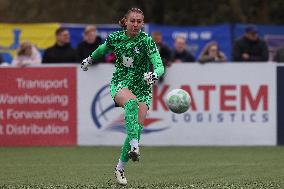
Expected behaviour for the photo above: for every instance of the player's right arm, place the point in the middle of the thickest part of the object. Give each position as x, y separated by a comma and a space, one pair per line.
100, 51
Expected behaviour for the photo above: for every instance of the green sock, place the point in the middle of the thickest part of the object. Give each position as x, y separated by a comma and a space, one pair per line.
132, 127
126, 146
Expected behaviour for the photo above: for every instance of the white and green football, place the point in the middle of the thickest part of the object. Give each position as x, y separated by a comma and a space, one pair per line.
178, 101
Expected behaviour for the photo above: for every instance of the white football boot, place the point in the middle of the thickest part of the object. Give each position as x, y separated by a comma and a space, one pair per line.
134, 154
120, 177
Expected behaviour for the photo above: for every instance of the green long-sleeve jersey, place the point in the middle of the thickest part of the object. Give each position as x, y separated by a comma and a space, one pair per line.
134, 55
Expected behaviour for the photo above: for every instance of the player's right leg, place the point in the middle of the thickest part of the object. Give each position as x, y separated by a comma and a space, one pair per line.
120, 177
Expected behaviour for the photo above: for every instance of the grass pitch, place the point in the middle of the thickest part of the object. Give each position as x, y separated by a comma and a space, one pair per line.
159, 167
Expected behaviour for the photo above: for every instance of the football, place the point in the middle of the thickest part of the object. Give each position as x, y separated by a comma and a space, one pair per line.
178, 101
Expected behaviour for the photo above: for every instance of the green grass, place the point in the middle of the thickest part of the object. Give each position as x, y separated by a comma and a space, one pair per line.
160, 167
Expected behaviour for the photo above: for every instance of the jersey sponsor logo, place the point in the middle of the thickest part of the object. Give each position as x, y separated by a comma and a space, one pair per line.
128, 61
107, 118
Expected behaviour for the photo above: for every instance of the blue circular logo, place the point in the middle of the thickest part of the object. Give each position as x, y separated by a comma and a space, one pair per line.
105, 115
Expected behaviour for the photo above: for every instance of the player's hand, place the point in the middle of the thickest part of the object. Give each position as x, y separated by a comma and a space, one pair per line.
150, 77
86, 62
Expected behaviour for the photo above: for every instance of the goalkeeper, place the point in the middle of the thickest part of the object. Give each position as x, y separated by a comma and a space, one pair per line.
131, 84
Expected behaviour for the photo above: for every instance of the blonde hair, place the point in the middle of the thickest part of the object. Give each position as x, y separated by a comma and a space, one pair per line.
205, 51
122, 21
25, 49
89, 28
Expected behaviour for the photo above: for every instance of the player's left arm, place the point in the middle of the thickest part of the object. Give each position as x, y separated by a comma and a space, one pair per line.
157, 63
155, 59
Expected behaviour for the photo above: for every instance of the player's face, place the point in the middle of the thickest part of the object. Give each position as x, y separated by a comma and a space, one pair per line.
134, 23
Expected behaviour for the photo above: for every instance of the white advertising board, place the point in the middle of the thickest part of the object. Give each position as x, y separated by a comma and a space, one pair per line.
232, 104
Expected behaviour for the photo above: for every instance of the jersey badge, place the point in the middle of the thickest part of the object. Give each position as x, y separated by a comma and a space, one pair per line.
128, 61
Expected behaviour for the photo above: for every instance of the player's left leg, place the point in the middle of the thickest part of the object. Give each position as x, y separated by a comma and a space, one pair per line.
127, 100
126, 148
142, 112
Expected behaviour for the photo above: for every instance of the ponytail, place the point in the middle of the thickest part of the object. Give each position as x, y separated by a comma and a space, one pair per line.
122, 23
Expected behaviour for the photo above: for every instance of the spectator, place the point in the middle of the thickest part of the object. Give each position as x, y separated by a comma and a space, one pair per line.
1, 59
181, 54
61, 51
164, 50
212, 53
279, 56
250, 47
27, 55
89, 44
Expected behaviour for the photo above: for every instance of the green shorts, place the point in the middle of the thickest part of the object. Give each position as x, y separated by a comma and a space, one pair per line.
142, 92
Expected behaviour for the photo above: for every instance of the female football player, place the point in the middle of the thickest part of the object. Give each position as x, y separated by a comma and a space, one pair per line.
131, 84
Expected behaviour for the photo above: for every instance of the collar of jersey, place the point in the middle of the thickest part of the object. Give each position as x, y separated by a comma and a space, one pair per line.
127, 37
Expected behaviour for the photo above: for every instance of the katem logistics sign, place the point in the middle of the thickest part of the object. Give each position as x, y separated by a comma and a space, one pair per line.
231, 98
232, 104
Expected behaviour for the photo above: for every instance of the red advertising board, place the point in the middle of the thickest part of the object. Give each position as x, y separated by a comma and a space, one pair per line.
38, 106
